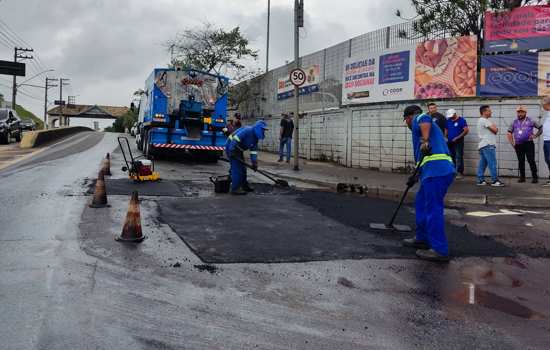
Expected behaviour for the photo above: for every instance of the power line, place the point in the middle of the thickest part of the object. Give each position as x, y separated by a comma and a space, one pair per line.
28, 95
5, 43
8, 33
9, 40
5, 25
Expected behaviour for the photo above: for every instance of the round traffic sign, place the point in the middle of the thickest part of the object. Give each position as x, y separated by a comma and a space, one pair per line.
297, 77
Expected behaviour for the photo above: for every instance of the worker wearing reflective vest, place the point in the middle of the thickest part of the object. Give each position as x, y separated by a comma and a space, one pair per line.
243, 139
436, 173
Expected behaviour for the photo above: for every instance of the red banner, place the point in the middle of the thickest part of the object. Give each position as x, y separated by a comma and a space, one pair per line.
523, 28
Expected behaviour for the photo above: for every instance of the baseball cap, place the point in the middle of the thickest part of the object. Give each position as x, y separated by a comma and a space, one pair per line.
521, 108
450, 113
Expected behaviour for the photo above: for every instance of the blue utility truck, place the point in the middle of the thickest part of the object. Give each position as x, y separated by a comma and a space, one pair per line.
183, 111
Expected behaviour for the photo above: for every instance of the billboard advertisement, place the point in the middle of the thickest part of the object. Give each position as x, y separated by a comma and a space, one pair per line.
285, 89
521, 29
513, 75
379, 76
446, 68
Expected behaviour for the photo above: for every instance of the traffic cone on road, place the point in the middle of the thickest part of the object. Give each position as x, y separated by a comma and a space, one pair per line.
100, 195
131, 232
106, 165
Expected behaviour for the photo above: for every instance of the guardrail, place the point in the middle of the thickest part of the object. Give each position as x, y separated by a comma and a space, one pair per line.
37, 138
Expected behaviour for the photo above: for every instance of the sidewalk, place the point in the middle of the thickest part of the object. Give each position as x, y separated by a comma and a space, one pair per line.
391, 185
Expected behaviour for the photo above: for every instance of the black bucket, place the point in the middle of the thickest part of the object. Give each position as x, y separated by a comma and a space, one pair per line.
221, 183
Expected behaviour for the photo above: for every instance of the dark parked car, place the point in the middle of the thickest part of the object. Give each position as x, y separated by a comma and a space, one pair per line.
10, 126
28, 125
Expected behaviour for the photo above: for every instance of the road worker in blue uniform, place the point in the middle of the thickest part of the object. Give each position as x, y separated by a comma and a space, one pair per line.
243, 139
436, 174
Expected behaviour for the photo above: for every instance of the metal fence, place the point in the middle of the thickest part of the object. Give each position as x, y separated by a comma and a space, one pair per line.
262, 101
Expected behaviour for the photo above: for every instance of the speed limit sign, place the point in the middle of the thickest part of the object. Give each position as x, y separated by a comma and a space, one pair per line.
297, 77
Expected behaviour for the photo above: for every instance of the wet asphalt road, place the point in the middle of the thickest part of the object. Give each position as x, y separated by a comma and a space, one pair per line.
66, 284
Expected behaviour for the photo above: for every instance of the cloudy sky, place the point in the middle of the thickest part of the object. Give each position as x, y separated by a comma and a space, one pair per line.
108, 47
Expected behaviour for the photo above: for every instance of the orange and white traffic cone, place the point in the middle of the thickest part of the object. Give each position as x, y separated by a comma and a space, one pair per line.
100, 194
106, 165
131, 232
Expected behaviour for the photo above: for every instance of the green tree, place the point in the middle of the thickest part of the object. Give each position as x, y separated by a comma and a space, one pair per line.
211, 49
124, 122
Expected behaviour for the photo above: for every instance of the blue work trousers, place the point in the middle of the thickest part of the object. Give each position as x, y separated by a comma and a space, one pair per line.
285, 141
430, 217
238, 173
487, 157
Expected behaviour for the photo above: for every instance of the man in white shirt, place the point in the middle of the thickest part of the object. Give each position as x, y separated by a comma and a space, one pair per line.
487, 131
546, 132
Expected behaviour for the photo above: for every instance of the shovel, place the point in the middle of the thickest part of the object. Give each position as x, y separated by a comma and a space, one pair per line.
278, 182
390, 226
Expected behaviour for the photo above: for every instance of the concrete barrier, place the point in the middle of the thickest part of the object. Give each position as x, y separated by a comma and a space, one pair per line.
37, 138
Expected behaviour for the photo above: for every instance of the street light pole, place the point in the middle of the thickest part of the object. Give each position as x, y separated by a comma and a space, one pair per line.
267, 43
298, 22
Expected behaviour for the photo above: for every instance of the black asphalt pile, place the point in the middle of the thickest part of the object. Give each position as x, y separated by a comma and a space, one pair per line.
308, 226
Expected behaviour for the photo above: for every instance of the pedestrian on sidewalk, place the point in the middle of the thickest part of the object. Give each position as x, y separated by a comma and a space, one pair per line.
521, 135
245, 138
436, 174
437, 117
457, 129
229, 128
238, 122
487, 131
546, 133
285, 135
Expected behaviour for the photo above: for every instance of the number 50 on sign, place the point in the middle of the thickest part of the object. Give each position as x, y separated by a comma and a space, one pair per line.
297, 77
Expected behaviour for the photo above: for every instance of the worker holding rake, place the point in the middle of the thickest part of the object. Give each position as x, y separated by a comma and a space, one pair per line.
436, 173
243, 139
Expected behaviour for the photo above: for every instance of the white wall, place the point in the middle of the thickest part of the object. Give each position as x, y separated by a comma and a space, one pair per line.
88, 122
375, 136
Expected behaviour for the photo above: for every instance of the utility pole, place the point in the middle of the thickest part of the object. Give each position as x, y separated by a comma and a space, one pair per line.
16, 56
267, 44
62, 82
298, 23
47, 86
172, 55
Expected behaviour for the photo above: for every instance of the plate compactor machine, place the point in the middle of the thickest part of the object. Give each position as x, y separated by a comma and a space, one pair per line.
139, 168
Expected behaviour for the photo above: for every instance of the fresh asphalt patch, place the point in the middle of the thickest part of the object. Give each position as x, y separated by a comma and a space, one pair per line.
126, 187
164, 188
301, 226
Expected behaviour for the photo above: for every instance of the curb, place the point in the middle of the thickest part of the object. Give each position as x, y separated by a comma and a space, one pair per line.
452, 199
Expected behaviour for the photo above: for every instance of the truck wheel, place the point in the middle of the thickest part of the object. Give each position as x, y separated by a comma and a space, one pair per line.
145, 145
148, 149
139, 142
18, 136
5, 139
